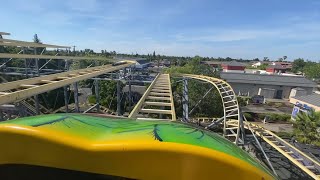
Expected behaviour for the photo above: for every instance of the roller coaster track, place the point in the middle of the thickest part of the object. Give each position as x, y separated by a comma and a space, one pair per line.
297, 157
157, 99
230, 108
18, 90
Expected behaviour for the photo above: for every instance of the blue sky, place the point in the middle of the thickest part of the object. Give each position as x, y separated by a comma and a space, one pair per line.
214, 28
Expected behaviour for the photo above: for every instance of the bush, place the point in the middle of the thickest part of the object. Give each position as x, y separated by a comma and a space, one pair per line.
248, 116
261, 116
242, 101
280, 117
92, 99
278, 104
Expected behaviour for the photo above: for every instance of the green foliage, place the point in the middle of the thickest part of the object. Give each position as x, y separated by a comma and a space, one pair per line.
263, 66
92, 99
307, 126
312, 70
108, 94
194, 66
278, 104
285, 135
279, 117
242, 100
275, 117
248, 116
298, 65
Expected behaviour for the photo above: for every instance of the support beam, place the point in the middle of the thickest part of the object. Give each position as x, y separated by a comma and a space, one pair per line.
96, 88
185, 100
30, 56
118, 99
76, 97
65, 94
37, 105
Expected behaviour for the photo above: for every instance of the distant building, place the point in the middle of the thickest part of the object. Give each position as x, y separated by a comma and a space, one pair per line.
256, 64
233, 66
270, 86
276, 69
311, 100
287, 65
142, 63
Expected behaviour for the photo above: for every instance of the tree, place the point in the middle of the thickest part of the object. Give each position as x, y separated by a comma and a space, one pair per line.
108, 94
154, 55
280, 59
266, 59
312, 70
298, 65
307, 126
285, 57
263, 66
36, 39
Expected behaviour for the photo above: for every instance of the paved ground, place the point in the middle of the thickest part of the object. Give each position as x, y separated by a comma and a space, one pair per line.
263, 109
275, 127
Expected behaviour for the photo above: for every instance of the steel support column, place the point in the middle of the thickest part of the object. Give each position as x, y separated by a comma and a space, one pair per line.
65, 94
1, 116
96, 88
76, 97
118, 99
130, 93
37, 105
185, 100
36, 62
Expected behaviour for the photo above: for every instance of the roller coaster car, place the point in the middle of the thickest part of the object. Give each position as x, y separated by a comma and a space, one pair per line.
76, 146
119, 63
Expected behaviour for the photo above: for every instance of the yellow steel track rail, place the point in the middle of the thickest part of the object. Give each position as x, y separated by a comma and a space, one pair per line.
229, 102
10, 42
297, 157
18, 90
154, 97
30, 56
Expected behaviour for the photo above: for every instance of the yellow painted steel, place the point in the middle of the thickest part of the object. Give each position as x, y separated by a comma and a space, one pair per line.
161, 81
132, 159
293, 160
214, 82
11, 42
31, 56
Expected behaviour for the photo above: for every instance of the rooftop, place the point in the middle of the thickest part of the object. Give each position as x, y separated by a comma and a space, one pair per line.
313, 99
233, 63
295, 81
277, 66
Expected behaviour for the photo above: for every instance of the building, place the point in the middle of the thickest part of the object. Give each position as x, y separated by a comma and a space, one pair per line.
276, 69
142, 63
287, 65
270, 86
256, 64
233, 66
312, 100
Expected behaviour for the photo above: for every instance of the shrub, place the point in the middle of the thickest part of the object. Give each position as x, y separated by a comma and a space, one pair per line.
92, 99
280, 117
248, 116
278, 104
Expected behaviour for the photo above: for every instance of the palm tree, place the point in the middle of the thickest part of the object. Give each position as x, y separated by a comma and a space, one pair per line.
307, 127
